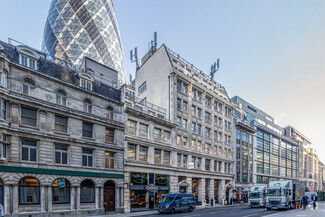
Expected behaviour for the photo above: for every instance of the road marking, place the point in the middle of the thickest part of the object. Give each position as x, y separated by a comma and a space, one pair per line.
216, 212
249, 215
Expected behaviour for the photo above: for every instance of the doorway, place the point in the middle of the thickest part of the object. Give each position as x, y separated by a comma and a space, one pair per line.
109, 196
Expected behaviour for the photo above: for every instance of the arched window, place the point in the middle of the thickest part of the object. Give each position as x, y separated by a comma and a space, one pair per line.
61, 98
29, 191
29, 87
3, 79
61, 191
87, 106
109, 112
1, 192
87, 191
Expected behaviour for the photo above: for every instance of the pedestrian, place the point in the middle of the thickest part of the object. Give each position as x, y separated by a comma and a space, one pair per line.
1, 210
304, 201
314, 198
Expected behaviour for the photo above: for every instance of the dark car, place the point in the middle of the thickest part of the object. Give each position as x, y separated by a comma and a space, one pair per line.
177, 203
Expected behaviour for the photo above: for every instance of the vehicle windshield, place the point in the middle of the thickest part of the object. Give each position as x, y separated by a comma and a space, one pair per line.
275, 192
169, 199
254, 195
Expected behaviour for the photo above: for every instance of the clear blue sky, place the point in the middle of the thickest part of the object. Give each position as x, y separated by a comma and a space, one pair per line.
271, 52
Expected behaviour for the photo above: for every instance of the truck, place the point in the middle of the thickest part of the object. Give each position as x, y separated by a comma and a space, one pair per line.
284, 194
257, 196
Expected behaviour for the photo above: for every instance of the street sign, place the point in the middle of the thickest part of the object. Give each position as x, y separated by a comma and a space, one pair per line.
61, 183
152, 188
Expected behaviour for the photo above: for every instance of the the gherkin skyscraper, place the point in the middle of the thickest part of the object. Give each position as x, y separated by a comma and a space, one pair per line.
78, 28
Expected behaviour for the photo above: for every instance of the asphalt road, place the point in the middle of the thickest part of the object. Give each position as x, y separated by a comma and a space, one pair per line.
237, 211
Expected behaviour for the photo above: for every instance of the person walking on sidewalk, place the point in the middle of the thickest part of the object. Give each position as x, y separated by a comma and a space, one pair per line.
314, 198
304, 201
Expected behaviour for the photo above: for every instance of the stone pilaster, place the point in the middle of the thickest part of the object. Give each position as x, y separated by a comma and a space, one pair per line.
173, 184
15, 199
221, 191
189, 188
202, 190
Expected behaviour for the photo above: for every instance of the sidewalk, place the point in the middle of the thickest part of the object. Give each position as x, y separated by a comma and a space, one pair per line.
309, 212
155, 212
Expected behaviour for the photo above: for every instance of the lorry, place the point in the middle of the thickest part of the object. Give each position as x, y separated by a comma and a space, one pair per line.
257, 196
284, 194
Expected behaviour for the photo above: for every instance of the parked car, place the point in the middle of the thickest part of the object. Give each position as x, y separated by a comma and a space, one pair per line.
177, 203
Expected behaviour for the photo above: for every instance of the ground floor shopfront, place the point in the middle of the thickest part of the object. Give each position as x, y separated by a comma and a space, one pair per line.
145, 190
43, 192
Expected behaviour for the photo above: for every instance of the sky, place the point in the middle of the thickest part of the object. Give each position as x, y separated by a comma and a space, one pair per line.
271, 52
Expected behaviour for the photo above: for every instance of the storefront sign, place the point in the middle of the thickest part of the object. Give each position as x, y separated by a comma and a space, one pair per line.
163, 188
137, 187
152, 188
191, 165
61, 183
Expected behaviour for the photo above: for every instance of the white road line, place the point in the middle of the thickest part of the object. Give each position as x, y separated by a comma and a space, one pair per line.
216, 212
250, 215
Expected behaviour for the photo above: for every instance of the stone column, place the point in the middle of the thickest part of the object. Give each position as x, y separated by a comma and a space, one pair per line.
77, 194
189, 188
43, 199
211, 190
126, 192
6, 199
49, 199
221, 191
101, 201
72, 198
15, 199
97, 199
202, 190
173, 184
122, 199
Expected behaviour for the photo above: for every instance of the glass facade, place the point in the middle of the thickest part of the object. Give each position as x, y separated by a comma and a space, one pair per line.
77, 28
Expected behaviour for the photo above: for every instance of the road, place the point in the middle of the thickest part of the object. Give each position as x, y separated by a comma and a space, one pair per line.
237, 211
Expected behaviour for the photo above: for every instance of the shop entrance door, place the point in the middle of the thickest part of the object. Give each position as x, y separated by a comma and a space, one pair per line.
151, 200
109, 196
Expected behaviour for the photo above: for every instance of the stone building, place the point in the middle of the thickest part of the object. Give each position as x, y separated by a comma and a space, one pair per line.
201, 150
62, 135
309, 167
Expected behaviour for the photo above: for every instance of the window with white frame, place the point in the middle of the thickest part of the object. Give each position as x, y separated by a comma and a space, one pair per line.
184, 124
28, 150
166, 158
157, 156
61, 154
61, 124
86, 81
87, 130
132, 127
109, 112
144, 130
3, 79
61, 98
109, 134
166, 137
143, 153
132, 152
28, 61
28, 87
142, 88
3, 107
109, 160
87, 106
87, 157
157, 134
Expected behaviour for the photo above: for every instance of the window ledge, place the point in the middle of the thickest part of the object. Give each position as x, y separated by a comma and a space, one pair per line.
27, 126
87, 138
61, 133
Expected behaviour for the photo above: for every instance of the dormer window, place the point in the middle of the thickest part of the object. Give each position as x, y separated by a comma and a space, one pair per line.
3, 79
28, 57
86, 81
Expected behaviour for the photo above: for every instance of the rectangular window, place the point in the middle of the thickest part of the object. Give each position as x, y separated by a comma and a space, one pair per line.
61, 154
207, 164
143, 153
179, 86
29, 116
184, 106
199, 112
198, 163
87, 130
184, 160
193, 111
109, 135
207, 101
28, 150
179, 160
193, 128
179, 120
179, 104
199, 129
3, 107
32, 63
207, 148
166, 159
157, 134
142, 88
207, 133
4, 147
24, 60
157, 156
61, 124
87, 157
132, 152
109, 160
207, 117
184, 124
184, 142
198, 146
144, 130
185, 88
166, 137
132, 127
179, 141
193, 144
199, 96
193, 93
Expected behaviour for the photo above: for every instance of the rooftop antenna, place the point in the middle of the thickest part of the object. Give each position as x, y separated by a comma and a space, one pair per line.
130, 79
153, 43
214, 69
134, 58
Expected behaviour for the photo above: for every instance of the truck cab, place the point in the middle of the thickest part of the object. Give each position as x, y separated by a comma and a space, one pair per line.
257, 196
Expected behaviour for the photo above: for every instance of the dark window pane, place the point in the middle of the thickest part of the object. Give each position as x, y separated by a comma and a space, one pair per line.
32, 154
57, 157
24, 155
